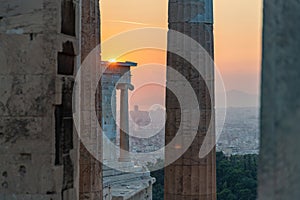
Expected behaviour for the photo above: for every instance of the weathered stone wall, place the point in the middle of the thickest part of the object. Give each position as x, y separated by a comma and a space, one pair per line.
279, 167
38, 152
40, 51
190, 177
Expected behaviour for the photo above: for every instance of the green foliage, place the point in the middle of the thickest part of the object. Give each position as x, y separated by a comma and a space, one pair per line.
158, 187
236, 178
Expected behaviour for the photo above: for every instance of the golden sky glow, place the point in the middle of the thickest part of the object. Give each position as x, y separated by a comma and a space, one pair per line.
237, 33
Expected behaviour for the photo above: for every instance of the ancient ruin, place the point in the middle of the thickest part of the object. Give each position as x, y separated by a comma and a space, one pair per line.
41, 158
190, 177
122, 178
42, 45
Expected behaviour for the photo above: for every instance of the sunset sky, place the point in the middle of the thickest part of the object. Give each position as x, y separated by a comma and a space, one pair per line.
237, 34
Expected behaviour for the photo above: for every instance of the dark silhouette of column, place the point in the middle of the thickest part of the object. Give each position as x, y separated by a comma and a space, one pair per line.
279, 167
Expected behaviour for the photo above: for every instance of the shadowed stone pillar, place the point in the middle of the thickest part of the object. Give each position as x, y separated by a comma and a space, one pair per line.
279, 167
90, 167
191, 177
124, 123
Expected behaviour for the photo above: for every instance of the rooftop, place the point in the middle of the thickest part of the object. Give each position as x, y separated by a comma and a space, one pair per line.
121, 64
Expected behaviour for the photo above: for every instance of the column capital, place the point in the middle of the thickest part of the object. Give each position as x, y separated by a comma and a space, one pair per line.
125, 86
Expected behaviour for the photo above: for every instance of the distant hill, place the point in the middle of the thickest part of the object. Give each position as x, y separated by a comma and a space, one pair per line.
236, 98
156, 95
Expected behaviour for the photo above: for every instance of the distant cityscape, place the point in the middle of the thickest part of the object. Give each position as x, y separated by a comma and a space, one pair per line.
240, 134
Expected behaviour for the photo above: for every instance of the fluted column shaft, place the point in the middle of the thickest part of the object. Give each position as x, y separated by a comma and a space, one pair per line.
191, 177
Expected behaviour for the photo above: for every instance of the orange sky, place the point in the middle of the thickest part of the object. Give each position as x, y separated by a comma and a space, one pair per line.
237, 34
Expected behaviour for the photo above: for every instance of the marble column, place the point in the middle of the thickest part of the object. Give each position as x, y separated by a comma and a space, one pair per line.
191, 177
124, 122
